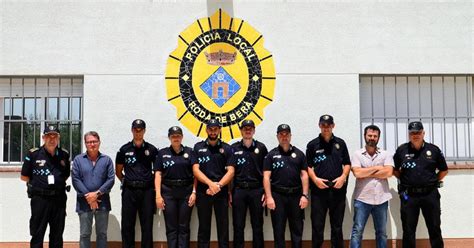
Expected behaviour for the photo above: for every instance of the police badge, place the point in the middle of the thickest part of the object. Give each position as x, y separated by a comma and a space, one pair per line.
185, 155
147, 153
257, 151
221, 150
293, 155
337, 146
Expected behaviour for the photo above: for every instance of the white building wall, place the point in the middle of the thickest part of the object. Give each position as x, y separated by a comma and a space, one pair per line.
319, 49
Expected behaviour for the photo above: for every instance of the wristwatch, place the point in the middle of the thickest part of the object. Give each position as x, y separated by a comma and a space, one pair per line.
305, 195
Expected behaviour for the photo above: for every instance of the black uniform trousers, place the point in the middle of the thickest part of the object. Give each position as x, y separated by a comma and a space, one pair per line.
47, 210
204, 204
429, 204
143, 201
177, 215
287, 208
241, 200
321, 202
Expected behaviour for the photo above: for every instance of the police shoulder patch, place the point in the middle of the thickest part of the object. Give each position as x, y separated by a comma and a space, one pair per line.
64, 150
34, 149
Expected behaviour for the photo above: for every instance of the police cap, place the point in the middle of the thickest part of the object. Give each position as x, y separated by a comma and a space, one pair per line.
50, 128
175, 130
415, 126
247, 123
326, 119
213, 123
138, 123
283, 127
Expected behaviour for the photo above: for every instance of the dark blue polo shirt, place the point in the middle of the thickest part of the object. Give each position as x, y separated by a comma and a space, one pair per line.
248, 161
87, 177
212, 161
137, 161
419, 167
174, 165
286, 167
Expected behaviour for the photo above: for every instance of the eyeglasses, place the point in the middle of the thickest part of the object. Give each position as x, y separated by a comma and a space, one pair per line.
92, 142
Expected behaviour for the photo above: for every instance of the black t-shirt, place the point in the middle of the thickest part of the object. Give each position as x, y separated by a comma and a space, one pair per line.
418, 167
174, 166
39, 164
137, 161
248, 162
212, 160
327, 158
286, 167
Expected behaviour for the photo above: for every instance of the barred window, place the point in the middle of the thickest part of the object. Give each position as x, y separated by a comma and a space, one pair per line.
28, 103
442, 102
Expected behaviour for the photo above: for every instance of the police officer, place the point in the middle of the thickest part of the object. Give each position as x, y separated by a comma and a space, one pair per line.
285, 180
421, 167
213, 172
330, 164
45, 171
135, 159
175, 188
248, 188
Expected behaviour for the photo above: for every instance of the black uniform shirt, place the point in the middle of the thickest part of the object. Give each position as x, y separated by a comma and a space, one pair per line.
212, 160
137, 161
39, 164
327, 158
418, 167
286, 167
174, 165
248, 162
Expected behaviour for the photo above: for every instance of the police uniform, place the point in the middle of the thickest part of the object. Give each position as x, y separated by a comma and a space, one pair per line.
248, 190
418, 189
212, 162
46, 188
327, 159
176, 187
286, 191
138, 193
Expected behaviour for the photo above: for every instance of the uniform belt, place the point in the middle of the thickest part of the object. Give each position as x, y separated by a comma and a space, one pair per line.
416, 189
248, 185
138, 184
34, 191
287, 190
177, 182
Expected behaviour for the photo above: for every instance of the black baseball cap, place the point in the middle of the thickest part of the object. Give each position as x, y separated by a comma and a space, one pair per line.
247, 123
138, 123
213, 123
175, 130
283, 127
50, 128
326, 119
415, 126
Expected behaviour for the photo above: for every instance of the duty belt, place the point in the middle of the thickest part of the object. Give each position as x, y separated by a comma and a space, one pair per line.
248, 185
35, 191
138, 184
416, 189
177, 182
287, 190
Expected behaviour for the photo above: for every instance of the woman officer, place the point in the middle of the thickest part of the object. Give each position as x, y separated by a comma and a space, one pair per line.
176, 188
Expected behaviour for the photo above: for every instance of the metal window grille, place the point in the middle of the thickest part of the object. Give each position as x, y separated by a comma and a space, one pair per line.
28, 103
443, 103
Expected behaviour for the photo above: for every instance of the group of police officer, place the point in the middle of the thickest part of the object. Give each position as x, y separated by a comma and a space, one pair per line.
245, 175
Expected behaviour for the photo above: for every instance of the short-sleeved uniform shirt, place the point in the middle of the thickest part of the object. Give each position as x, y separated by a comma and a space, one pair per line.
175, 166
286, 166
418, 167
137, 161
39, 164
248, 161
370, 190
327, 158
212, 160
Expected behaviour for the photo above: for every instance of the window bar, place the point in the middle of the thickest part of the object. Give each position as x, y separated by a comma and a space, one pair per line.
444, 117
396, 114
384, 114
9, 148
22, 118
35, 117
408, 105
419, 99
469, 112
431, 106
70, 118
456, 119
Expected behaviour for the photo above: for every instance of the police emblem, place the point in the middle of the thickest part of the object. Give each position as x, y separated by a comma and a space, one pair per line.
428, 153
257, 151
220, 70
185, 155
337, 146
326, 117
41, 162
293, 155
221, 150
147, 153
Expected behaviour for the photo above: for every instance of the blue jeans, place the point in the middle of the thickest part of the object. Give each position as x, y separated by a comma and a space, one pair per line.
379, 216
101, 224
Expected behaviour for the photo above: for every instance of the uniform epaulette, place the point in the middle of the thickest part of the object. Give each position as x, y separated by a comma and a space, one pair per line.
34, 149
64, 150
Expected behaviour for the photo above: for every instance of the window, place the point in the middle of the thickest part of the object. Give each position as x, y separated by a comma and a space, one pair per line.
28, 103
442, 102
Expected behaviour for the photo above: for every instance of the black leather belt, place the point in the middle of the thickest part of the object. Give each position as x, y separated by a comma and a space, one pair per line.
177, 182
35, 191
287, 190
416, 189
138, 184
248, 185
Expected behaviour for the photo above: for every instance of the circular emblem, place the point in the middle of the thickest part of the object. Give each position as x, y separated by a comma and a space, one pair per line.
185, 155
337, 146
293, 155
221, 150
428, 153
220, 70
257, 151
326, 117
147, 153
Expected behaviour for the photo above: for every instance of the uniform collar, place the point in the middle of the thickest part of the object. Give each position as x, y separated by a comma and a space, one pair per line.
251, 146
218, 144
411, 147
181, 150
56, 151
322, 140
282, 152
133, 144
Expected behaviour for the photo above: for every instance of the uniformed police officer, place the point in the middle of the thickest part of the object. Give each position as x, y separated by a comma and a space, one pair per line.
421, 167
45, 171
213, 172
330, 164
285, 180
175, 187
135, 159
248, 190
